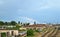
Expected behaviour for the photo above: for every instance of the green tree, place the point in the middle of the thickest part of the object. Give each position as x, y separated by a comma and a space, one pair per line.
13, 23
6, 23
17, 27
21, 23
18, 22
1, 23
30, 32
34, 22
27, 23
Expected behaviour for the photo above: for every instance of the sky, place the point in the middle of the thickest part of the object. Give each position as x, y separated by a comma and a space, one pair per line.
41, 11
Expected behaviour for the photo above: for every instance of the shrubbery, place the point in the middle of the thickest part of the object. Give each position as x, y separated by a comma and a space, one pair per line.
37, 30
3, 34
30, 32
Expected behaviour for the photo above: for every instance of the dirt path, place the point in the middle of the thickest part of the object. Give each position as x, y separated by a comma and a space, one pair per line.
37, 35
58, 33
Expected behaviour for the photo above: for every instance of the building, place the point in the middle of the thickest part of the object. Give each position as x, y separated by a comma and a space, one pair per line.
9, 33
22, 34
36, 26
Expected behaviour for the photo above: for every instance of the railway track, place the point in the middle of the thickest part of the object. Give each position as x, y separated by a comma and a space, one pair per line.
57, 34
49, 31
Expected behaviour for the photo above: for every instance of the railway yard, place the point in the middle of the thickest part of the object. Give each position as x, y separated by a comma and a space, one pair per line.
52, 32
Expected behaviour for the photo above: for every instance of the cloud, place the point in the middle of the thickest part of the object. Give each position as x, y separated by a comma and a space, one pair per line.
33, 5
53, 3
49, 4
28, 20
46, 4
23, 8
44, 7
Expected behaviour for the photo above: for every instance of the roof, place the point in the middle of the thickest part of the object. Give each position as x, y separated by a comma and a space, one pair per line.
22, 33
37, 25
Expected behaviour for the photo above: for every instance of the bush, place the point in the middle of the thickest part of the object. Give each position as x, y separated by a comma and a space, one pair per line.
3, 34
37, 30
30, 32
13, 23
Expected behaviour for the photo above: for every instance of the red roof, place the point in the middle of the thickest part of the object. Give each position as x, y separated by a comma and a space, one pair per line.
37, 25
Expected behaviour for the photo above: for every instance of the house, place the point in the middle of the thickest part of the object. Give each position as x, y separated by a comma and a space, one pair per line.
9, 32
36, 26
22, 34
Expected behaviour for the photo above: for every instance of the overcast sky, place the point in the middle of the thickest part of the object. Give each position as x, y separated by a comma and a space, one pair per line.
41, 11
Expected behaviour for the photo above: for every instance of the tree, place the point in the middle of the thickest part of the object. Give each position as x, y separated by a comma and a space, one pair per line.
34, 22
1, 23
17, 27
6, 23
13, 23
3, 34
27, 23
18, 22
24, 24
21, 23
30, 32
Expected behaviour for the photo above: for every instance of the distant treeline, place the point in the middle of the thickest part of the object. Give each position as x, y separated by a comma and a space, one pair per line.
12, 23
8, 23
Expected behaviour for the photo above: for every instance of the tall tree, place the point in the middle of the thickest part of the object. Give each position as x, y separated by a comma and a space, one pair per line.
34, 22
13, 23
18, 22
6, 23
